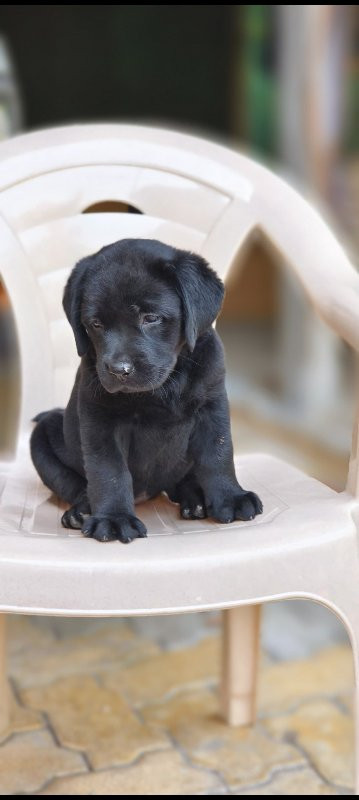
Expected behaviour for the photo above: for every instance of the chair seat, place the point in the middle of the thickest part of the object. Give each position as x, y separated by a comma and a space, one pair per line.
183, 565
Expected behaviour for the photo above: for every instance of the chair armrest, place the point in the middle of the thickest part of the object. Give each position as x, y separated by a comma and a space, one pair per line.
301, 238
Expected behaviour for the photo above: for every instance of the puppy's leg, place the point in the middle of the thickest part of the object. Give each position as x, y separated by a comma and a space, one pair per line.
110, 487
48, 452
212, 452
190, 497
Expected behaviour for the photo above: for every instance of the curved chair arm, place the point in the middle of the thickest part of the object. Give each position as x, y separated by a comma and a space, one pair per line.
308, 248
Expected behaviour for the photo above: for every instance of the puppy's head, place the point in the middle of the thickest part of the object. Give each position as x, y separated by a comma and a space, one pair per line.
137, 302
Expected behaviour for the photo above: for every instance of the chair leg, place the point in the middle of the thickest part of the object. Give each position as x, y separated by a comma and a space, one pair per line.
239, 664
348, 612
4, 688
354, 635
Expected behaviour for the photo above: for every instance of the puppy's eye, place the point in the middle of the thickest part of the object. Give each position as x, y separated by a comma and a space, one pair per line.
149, 319
95, 323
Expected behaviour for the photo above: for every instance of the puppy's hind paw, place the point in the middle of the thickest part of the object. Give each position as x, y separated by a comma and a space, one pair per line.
190, 510
124, 527
75, 516
191, 500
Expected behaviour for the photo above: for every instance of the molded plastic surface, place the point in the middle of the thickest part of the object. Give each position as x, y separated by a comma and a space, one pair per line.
196, 195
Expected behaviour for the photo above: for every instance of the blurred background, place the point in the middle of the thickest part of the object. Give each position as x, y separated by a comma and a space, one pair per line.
280, 83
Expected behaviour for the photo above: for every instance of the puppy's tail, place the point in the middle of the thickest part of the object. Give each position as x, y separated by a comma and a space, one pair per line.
44, 414
49, 456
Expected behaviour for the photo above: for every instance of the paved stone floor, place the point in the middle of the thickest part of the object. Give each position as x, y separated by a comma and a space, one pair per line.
119, 707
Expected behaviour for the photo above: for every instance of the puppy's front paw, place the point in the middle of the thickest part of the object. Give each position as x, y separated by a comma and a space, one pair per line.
241, 505
125, 527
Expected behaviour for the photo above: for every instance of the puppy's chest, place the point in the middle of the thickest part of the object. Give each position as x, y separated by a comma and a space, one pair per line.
157, 448
156, 442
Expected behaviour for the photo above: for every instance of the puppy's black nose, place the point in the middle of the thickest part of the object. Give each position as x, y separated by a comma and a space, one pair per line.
121, 369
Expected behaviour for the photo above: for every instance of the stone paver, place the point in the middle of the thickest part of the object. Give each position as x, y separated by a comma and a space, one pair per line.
346, 701
300, 781
110, 647
168, 672
97, 720
154, 774
29, 760
326, 736
21, 719
24, 634
283, 686
147, 721
240, 755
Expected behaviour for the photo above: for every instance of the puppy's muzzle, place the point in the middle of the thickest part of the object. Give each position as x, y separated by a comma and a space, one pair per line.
120, 369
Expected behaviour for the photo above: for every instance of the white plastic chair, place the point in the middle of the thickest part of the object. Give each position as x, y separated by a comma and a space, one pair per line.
196, 195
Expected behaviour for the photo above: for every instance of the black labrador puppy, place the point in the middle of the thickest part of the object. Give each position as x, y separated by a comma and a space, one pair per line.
149, 410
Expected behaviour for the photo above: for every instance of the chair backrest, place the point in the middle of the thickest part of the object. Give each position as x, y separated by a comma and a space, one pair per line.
192, 193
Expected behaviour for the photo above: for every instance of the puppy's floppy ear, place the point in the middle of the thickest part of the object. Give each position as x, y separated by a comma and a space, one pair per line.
71, 302
202, 293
